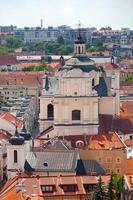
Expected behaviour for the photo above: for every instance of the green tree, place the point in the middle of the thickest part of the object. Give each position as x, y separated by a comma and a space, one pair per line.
110, 190
98, 193
4, 50
1, 101
60, 39
13, 43
118, 185
38, 68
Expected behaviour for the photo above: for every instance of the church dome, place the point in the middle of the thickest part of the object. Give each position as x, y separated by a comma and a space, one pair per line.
16, 139
25, 134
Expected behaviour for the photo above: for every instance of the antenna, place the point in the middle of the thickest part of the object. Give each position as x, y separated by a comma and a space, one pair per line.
41, 23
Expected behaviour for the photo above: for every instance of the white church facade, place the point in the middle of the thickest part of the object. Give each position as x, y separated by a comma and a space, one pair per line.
72, 100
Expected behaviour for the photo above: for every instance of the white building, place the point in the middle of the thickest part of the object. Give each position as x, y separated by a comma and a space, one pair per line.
17, 149
72, 100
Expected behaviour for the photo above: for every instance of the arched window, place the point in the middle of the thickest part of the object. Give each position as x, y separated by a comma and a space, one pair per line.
76, 115
15, 156
50, 111
79, 49
93, 82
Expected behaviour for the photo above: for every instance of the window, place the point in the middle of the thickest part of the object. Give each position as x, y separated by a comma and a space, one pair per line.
48, 34
47, 188
79, 49
108, 171
88, 187
118, 160
93, 82
118, 170
130, 137
108, 160
76, 115
15, 156
79, 144
50, 111
69, 188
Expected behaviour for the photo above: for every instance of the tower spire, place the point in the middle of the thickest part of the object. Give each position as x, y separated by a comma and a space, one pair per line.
79, 45
79, 26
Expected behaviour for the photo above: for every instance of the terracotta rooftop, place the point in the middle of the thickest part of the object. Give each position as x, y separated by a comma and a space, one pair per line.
97, 53
4, 134
33, 185
105, 141
120, 124
109, 66
7, 60
11, 119
31, 79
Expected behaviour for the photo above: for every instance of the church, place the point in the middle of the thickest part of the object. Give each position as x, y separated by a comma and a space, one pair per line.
73, 99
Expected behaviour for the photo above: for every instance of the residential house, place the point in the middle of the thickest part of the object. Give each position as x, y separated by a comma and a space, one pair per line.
8, 63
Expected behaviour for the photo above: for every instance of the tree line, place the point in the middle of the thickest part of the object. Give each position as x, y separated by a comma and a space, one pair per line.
112, 191
57, 47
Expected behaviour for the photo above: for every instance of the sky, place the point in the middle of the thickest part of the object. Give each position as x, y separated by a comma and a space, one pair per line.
91, 13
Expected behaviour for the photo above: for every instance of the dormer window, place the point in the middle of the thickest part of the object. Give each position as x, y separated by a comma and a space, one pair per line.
47, 188
69, 188
89, 187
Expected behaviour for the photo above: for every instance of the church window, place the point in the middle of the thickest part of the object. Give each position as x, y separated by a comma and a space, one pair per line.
79, 144
79, 50
93, 82
15, 156
50, 111
76, 115
82, 49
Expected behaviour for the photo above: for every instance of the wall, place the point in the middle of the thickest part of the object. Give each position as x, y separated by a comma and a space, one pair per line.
107, 105
107, 158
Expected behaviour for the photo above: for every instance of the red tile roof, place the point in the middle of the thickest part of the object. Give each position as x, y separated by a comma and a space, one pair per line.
109, 67
7, 60
29, 79
119, 124
32, 185
11, 119
4, 134
105, 141
12, 195
97, 53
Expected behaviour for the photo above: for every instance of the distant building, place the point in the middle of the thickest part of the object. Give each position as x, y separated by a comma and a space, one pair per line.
8, 63
24, 109
20, 84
